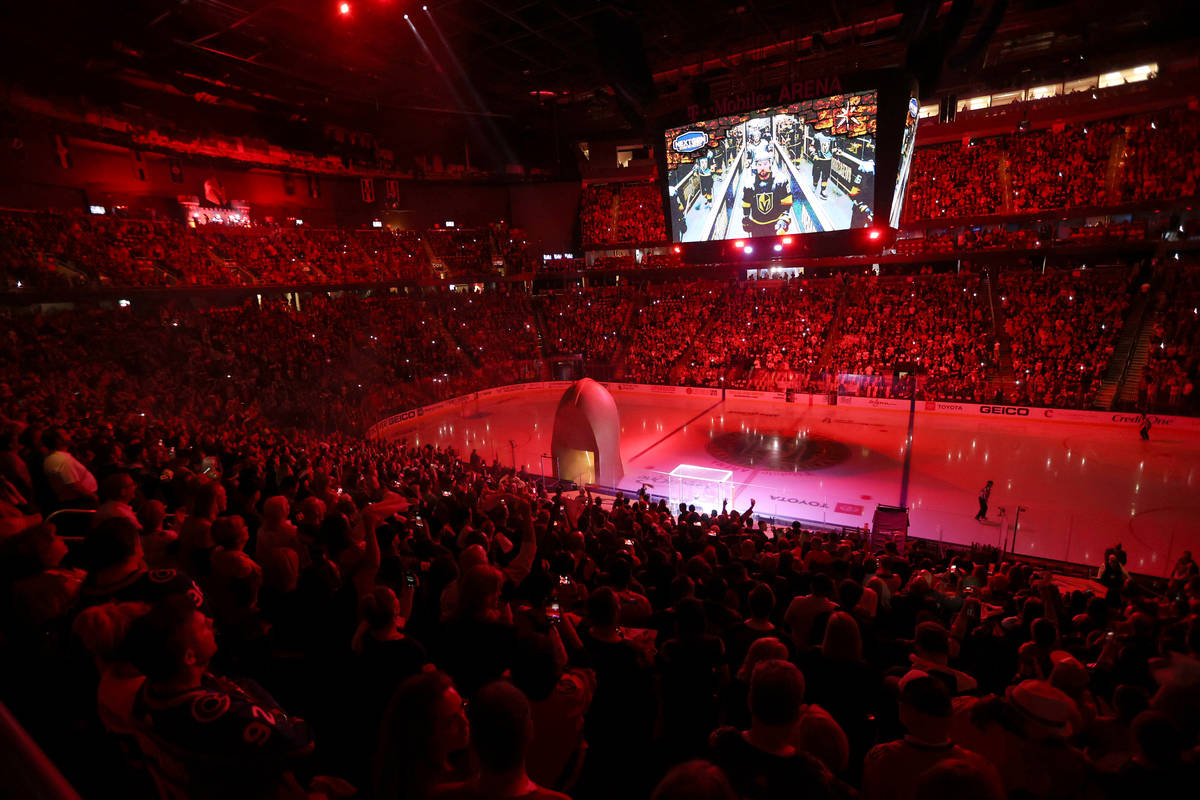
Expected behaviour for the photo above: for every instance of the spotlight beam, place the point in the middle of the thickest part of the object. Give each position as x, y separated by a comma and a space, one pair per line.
557, 45
317, 90
437, 67
458, 101
494, 134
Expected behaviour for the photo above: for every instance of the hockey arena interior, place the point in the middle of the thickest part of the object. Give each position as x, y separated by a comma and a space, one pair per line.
524, 399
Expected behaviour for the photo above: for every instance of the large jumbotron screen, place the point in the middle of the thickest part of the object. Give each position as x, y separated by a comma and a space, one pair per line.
806, 167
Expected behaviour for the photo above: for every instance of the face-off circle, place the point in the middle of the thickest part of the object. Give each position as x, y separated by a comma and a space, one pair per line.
801, 453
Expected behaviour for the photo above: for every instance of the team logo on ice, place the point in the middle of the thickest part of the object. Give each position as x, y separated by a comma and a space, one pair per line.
806, 453
690, 142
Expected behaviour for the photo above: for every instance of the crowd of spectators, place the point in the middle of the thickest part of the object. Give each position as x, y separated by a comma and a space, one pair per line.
464, 251
597, 222
1063, 167
573, 264
1067, 166
589, 322
1173, 364
954, 180
624, 213
1022, 237
1162, 156
58, 250
769, 333
667, 259
767, 336
1063, 327
1131, 231
47, 250
257, 601
249, 612
512, 245
640, 213
666, 325
298, 254
998, 237
627, 261
936, 323
494, 327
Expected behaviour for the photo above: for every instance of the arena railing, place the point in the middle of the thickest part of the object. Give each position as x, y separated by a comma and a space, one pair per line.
25, 771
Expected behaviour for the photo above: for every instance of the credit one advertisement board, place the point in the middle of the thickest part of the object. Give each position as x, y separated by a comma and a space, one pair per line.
822, 171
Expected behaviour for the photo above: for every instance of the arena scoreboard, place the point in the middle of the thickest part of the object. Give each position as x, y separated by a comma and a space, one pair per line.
816, 167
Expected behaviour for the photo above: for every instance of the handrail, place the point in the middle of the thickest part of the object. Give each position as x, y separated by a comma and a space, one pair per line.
26, 770
1147, 311
66, 512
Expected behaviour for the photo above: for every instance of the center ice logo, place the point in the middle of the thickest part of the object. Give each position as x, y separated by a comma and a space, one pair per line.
690, 142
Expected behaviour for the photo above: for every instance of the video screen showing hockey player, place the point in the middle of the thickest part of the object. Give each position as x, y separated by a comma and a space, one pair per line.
819, 152
766, 197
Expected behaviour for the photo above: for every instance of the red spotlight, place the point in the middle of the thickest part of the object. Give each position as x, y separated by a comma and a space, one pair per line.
678, 249
787, 240
874, 233
343, 8
739, 243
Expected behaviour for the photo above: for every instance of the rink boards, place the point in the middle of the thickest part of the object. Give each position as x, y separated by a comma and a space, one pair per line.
1084, 478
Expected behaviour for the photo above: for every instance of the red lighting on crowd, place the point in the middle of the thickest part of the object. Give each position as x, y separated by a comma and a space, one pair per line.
343, 8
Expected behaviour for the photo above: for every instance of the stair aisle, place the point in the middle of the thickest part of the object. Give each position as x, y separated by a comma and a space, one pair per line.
1003, 379
618, 359
1128, 394
1120, 364
835, 330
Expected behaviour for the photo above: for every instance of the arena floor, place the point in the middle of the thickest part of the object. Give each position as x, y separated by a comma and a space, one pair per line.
1083, 487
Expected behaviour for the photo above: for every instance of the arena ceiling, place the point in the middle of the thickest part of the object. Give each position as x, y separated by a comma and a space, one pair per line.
599, 65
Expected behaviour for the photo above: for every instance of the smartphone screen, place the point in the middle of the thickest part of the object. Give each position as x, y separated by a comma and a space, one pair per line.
554, 614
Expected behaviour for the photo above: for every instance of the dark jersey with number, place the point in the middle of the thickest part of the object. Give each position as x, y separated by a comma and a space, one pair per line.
222, 739
141, 586
765, 200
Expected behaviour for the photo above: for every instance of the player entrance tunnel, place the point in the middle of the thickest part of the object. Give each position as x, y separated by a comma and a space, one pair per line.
586, 443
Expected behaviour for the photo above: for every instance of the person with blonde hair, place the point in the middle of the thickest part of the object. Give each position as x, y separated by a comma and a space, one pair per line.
103, 629
157, 541
277, 530
842, 682
479, 643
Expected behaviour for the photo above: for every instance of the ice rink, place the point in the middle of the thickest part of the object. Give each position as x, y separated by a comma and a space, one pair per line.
1082, 486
